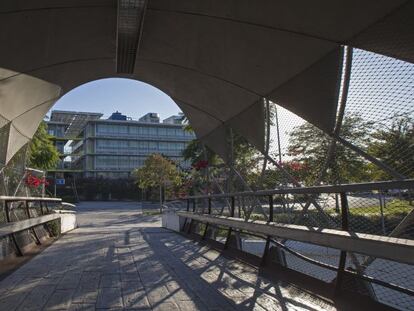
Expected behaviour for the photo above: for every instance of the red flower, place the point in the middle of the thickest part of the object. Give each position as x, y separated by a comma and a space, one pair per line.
200, 165
35, 182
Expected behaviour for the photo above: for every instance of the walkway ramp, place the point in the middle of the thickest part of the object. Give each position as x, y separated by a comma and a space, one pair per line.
121, 259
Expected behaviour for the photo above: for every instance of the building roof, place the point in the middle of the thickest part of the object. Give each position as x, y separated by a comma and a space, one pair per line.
76, 120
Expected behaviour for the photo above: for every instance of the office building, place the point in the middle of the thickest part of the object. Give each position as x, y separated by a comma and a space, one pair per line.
113, 147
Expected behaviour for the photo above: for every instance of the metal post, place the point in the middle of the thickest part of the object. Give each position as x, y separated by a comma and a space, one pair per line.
270, 208
382, 203
342, 258
37, 240
191, 221
41, 208
185, 220
344, 211
46, 225
270, 219
209, 212
18, 250
226, 245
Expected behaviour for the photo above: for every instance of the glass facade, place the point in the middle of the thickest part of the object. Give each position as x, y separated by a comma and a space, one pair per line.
142, 131
113, 149
56, 130
142, 147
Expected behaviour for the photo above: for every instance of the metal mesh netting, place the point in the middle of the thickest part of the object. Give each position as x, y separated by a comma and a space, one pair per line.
384, 270
381, 93
373, 212
13, 182
378, 119
11, 176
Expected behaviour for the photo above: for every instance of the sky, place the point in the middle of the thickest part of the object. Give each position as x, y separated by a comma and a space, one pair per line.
134, 99
130, 97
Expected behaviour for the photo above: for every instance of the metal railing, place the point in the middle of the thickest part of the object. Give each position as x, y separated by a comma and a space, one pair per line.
349, 232
28, 219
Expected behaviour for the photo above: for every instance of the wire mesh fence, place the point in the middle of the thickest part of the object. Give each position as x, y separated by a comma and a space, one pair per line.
382, 211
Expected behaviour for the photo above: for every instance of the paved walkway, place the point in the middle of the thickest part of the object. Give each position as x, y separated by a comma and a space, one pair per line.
121, 260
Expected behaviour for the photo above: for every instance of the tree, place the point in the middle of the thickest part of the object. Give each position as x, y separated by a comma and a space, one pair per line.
41, 152
196, 151
309, 146
157, 172
394, 145
244, 161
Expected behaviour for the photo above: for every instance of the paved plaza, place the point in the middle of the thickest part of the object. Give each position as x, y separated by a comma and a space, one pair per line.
119, 259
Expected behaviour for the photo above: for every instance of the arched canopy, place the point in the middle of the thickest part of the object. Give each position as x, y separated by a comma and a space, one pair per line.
217, 59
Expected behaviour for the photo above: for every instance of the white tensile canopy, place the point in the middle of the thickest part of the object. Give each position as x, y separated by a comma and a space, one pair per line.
217, 59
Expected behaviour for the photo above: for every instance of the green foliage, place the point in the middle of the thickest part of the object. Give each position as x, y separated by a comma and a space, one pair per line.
245, 158
309, 146
157, 171
395, 147
197, 151
41, 152
54, 227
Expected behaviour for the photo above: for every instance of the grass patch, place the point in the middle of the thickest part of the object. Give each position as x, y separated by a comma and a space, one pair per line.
361, 219
392, 208
151, 212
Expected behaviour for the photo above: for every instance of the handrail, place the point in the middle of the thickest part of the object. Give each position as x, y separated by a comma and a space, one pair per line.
348, 242
400, 250
383, 185
29, 199
18, 226
12, 227
73, 206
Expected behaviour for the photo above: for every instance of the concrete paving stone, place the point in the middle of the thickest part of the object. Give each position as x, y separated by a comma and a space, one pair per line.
166, 306
130, 277
135, 298
113, 262
51, 280
37, 298
131, 285
10, 282
181, 294
60, 300
213, 299
11, 300
109, 297
233, 293
85, 295
192, 305
157, 294
69, 280
81, 307
90, 279
110, 280
265, 301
